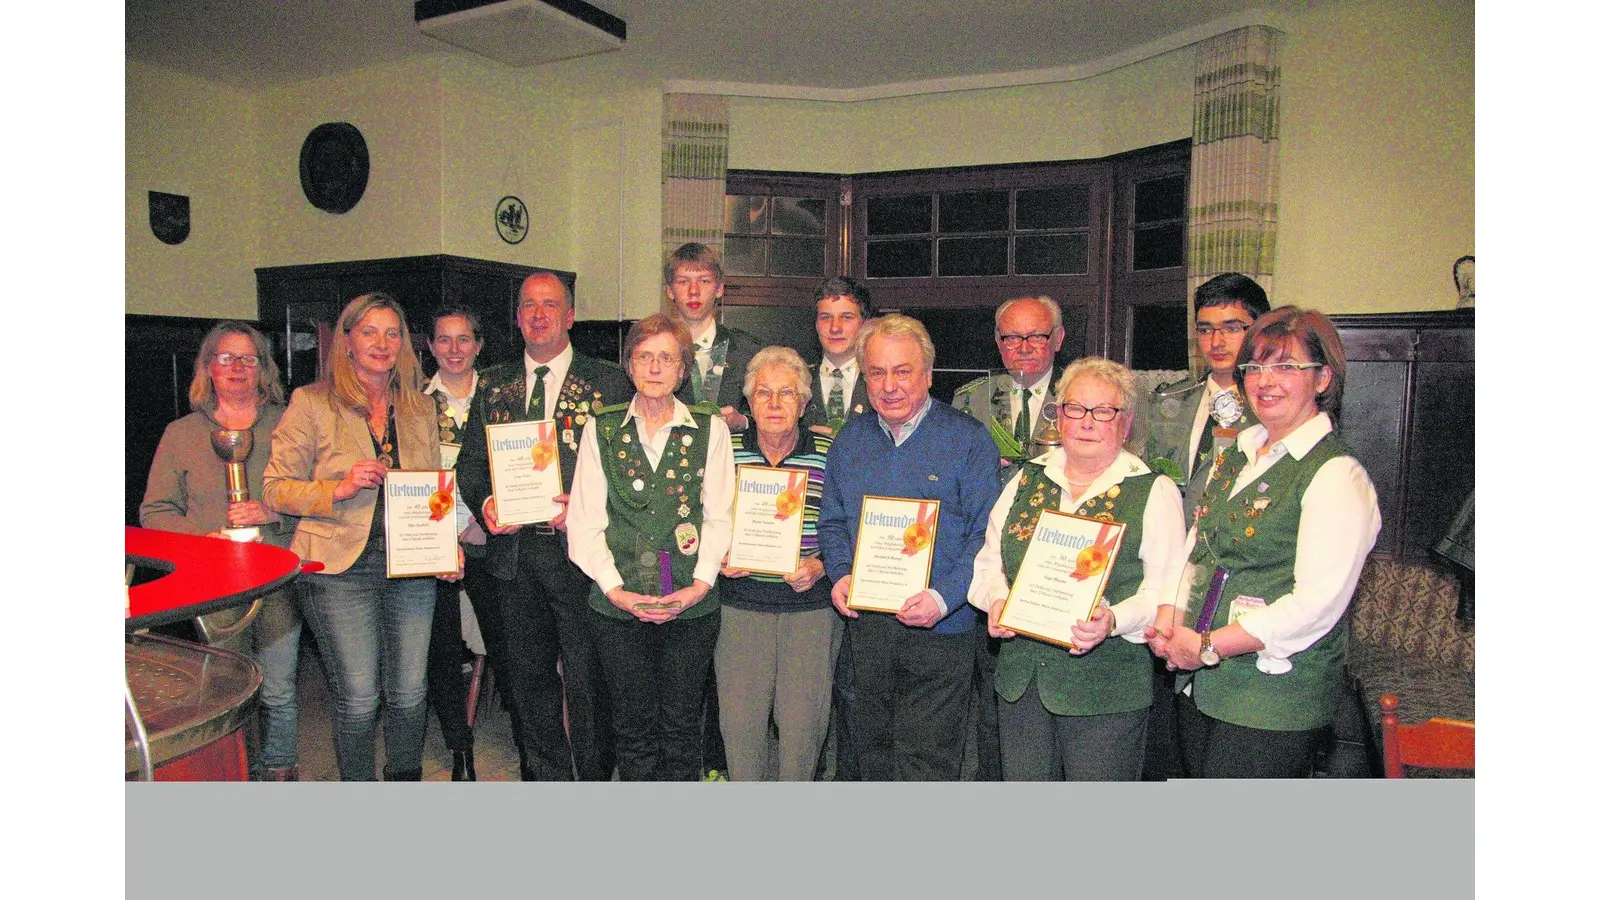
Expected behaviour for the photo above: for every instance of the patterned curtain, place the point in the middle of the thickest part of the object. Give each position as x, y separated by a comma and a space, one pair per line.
1233, 171
694, 169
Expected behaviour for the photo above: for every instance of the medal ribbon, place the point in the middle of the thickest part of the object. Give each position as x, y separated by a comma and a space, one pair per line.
794, 482
447, 483
1092, 559
925, 517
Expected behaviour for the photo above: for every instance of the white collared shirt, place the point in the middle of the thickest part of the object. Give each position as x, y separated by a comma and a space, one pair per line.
848, 372
456, 407
587, 518
553, 379
1339, 522
1036, 396
1161, 541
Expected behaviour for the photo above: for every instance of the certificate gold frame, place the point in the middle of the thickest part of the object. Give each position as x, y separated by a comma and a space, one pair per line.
1096, 532
494, 487
930, 523
389, 506
799, 485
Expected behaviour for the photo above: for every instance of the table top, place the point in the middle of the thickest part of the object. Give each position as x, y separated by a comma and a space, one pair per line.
204, 575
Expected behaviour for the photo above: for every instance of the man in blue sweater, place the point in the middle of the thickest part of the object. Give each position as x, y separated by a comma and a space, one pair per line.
913, 669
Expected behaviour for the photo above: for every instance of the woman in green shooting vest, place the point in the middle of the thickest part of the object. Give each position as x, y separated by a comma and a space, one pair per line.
1280, 535
649, 522
1079, 714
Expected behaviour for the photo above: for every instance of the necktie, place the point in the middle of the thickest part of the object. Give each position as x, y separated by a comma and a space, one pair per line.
835, 395
536, 402
696, 377
1024, 432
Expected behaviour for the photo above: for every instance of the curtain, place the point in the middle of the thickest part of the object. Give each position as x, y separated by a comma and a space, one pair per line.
1233, 171
694, 169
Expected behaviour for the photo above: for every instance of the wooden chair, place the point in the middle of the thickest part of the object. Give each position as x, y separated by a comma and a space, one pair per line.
1436, 743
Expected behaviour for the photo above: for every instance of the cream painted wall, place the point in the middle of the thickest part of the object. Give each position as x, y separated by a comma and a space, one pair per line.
397, 106
188, 136
1378, 157
1133, 107
501, 135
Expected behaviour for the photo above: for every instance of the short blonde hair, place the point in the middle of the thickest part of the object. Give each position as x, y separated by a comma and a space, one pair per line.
1113, 373
778, 358
269, 385
894, 325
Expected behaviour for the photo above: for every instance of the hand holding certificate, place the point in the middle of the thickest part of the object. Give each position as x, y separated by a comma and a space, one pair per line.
894, 552
419, 523
524, 472
768, 515
1062, 576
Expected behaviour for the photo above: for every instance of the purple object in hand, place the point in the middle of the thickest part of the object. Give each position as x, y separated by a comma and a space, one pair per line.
666, 571
1208, 611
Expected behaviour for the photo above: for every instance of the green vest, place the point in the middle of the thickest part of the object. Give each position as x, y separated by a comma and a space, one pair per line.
1115, 676
650, 511
1255, 534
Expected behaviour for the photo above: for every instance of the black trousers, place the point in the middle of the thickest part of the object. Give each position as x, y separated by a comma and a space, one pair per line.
657, 678
1217, 749
447, 693
847, 762
913, 695
986, 722
1161, 760
546, 618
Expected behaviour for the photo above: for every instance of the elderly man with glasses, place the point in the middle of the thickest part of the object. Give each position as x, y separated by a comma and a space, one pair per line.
1028, 332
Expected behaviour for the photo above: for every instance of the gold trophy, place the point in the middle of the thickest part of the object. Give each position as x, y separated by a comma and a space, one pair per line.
233, 448
1049, 437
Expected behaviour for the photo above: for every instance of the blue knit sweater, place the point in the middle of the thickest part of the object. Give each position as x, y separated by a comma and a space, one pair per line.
949, 458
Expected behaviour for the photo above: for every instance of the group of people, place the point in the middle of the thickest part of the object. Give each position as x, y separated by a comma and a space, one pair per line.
626, 645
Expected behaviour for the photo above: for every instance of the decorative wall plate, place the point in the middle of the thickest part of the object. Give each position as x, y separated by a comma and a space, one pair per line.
334, 166
511, 219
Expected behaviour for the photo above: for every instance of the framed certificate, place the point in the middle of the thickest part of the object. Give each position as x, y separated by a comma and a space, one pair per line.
524, 471
769, 507
894, 552
1062, 576
419, 522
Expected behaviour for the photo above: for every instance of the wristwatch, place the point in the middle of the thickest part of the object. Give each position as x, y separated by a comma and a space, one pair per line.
1207, 655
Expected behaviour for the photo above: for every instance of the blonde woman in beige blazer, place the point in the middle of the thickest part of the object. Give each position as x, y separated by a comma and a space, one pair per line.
330, 452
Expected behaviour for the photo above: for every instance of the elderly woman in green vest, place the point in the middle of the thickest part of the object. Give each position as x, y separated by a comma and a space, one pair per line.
1281, 532
1080, 713
649, 521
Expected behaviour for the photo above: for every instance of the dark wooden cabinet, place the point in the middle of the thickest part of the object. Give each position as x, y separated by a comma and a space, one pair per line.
294, 300
159, 354
1408, 412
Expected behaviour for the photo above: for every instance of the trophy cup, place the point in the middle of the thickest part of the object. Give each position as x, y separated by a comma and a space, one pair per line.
1049, 437
233, 448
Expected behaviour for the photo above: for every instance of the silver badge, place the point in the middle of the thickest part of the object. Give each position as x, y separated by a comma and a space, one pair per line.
638, 484
1225, 408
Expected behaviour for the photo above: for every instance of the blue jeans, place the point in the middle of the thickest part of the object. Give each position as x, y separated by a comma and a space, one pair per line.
277, 651
372, 627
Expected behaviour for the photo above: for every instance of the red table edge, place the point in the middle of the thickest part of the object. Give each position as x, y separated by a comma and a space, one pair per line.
203, 575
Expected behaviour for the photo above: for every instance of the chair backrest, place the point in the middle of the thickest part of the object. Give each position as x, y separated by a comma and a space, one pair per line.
1435, 744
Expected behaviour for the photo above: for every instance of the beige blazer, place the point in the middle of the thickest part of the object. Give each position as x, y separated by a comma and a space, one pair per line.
313, 448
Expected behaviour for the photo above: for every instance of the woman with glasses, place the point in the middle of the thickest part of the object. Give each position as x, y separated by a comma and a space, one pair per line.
330, 453
780, 635
236, 387
1079, 714
649, 521
1282, 530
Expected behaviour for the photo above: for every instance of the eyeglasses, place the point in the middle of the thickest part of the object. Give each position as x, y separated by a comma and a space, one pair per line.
785, 395
1100, 413
1013, 341
228, 359
645, 358
1278, 370
1206, 329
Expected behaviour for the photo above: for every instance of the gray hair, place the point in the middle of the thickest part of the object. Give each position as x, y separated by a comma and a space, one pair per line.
1113, 373
894, 325
1050, 305
778, 358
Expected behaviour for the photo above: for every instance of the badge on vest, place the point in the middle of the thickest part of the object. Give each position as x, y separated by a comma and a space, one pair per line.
688, 538
1241, 605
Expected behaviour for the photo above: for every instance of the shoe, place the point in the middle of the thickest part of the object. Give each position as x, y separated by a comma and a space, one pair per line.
461, 766
406, 775
714, 775
284, 773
